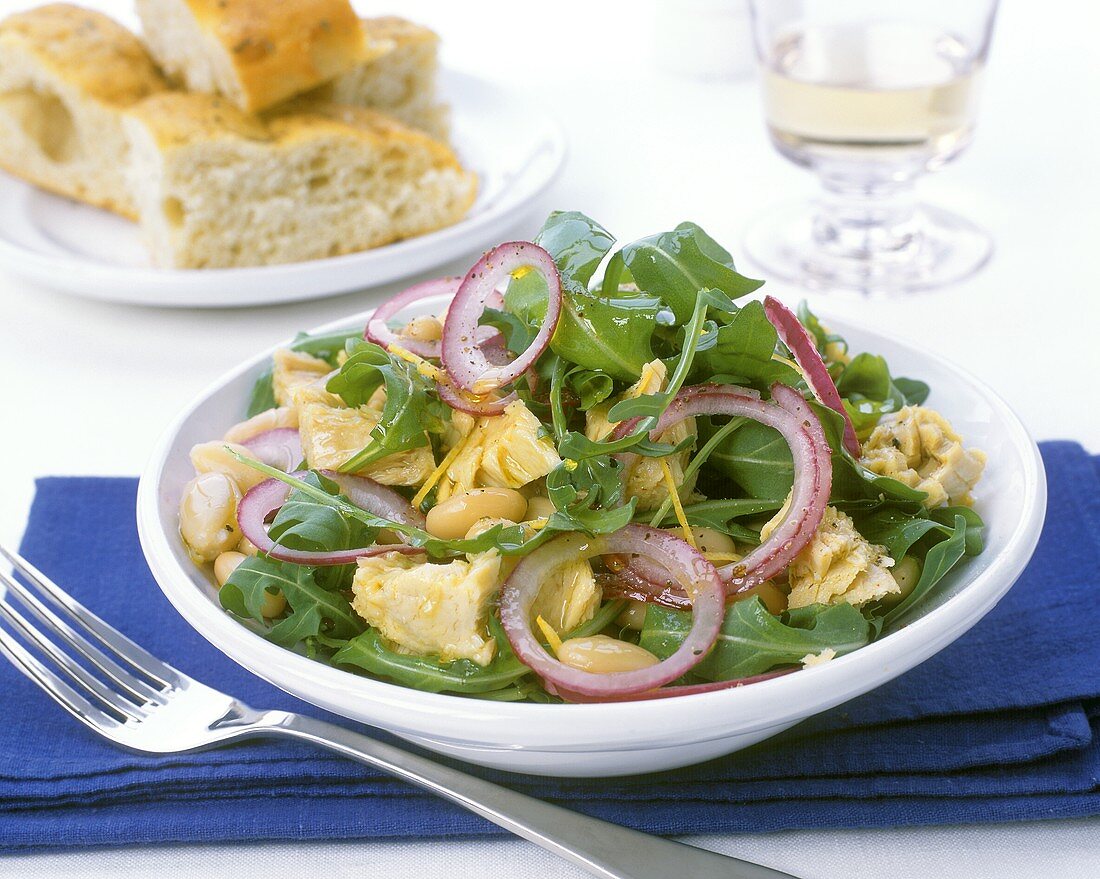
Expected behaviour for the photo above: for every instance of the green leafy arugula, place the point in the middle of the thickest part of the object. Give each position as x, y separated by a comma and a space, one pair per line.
313, 609
409, 411
677, 266
753, 641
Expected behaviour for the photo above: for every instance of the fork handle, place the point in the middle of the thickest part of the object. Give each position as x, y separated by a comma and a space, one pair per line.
603, 849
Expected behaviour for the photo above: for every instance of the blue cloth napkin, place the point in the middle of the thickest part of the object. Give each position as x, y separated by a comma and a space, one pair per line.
1002, 725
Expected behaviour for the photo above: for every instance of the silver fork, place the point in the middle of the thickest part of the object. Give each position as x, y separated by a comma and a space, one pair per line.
140, 703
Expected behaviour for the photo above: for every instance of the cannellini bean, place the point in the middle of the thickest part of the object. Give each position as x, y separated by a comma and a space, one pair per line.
226, 564
247, 547
274, 604
208, 515
774, 598
907, 573
709, 540
425, 328
540, 508
633, 616
454, 517
601, 654
270, 419
215, 457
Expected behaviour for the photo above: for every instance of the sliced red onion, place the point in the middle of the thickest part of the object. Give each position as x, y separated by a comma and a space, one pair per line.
280, 448
470, 404
381, 500
378, 330
263, 500
805, 352
523, 586
667, 692
462, 354
813, 474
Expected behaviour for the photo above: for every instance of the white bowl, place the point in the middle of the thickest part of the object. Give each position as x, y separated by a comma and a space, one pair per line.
622, 738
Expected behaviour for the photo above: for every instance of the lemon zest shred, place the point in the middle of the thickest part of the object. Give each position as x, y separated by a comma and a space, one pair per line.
551, 635
723, 556
438, 472
522, 271
790, 363
681, 517
537, 524
422, 366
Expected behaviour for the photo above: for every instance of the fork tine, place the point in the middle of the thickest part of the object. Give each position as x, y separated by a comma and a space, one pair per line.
75, 614
62, 693
74, 670
137, 688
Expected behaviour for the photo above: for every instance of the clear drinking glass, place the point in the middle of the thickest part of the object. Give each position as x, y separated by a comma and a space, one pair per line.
870, 94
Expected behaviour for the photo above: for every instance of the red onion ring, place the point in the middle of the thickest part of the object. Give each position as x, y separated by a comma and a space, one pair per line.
280, 448
523, 587
381, 500
379, 332
667, 692
813, 474
805, 352
464, 402
461, 352
262, 500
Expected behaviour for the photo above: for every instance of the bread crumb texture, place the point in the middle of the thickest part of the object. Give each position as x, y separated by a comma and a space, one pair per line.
66, 76
217, 187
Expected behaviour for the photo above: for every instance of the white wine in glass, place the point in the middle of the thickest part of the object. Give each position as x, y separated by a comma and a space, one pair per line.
868, 103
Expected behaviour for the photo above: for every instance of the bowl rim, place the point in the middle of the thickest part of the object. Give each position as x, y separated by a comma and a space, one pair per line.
766, 704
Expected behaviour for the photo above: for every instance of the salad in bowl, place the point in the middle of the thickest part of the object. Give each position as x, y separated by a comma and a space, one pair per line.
604, 473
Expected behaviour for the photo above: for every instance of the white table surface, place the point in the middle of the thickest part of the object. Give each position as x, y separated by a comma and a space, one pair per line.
87, 387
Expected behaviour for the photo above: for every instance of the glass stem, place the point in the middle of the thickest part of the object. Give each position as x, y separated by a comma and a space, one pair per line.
865, 218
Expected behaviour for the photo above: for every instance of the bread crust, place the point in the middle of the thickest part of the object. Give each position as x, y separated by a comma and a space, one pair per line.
85, 49
271, 50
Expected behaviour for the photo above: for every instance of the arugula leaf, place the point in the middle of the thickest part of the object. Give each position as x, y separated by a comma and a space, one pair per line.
940, 559
821, 338
327, 347
610, 333
720, 514
322, 610
409, 411
752, 640
577, 242
899, 531
915, 391
613, 335
590, 386
743, 349
305, 523
677, 265
759, 460
369, 651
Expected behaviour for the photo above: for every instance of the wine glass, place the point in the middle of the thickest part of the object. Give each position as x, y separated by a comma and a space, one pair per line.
870, 95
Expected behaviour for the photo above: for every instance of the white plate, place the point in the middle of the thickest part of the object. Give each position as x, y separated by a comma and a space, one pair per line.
515, 150
615, 739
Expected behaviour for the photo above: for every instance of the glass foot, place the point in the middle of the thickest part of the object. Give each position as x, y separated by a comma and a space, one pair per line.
932, 248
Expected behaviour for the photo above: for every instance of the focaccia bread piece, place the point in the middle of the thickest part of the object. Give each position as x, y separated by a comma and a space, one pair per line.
254, 52
66, 76
397, 76
216, 187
